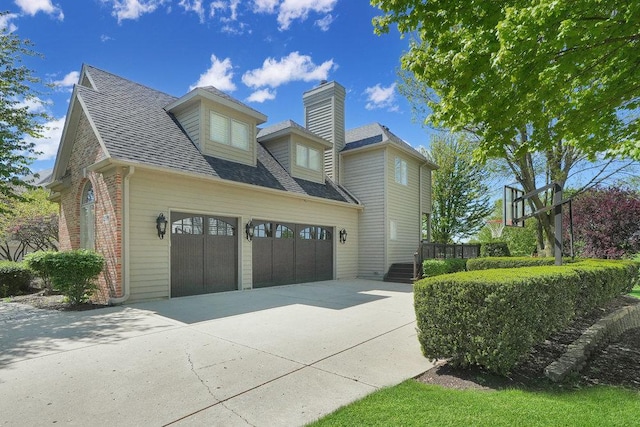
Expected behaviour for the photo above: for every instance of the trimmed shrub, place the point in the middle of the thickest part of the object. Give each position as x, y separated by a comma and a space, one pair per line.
15, 278
510, 262
436, 267
492, 318
38, 263
72, 273
494, 249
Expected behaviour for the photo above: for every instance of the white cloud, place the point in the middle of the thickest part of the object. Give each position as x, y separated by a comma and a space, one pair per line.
31, 7
133, 9
193, 6
48, 144
105, 38
291, 10
5, 22
381, 97
35, 105
220, 75
265, 6
68, 80
294, 67
262, 95
325, 22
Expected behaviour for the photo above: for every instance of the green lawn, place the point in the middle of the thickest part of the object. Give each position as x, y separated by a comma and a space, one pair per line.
416, 404
635, 292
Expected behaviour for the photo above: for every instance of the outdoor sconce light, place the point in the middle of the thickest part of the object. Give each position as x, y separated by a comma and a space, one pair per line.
161, 225
249, 230
343, 236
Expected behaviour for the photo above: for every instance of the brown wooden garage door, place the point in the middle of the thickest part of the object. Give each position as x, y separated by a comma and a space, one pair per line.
204, 254
285, 253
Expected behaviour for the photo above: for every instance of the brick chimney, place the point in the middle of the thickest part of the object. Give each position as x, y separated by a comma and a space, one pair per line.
324, 116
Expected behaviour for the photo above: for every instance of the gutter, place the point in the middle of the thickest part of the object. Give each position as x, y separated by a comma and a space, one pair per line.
126, 289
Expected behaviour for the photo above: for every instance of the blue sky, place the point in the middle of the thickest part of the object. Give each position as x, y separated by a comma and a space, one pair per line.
265, 53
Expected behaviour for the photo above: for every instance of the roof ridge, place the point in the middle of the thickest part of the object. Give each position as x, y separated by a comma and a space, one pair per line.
128, 80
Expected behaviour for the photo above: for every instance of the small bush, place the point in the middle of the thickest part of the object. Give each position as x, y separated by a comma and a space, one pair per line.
492, 318
72, 273
494, 249
38, 263
436, 267
15, 278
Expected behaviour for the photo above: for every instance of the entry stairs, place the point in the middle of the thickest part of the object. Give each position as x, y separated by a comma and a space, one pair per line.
400, 273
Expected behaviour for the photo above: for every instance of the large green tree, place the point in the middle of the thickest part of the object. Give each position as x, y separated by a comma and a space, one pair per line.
17, 120
529, 78
460, 192
28, 225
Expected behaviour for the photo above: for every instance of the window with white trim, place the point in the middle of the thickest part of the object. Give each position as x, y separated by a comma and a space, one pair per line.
228, 131
88, 218
393, 230
308, 157
401, 171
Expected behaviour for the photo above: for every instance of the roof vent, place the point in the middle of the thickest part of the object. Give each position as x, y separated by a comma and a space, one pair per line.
322, 82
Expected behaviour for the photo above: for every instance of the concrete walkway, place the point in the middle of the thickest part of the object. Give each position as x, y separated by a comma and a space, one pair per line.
280, 356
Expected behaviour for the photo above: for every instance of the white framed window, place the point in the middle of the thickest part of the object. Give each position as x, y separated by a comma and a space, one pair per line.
308, 157
401, 171
88, 218
229, 132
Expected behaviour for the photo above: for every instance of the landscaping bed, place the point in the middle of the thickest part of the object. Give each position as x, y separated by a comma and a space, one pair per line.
616, 364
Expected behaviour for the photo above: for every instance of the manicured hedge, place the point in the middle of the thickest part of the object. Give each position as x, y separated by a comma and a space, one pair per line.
15, 278
436, 267
492, 318
510, 262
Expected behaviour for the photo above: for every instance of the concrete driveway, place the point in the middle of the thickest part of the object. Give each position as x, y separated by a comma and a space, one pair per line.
280, 356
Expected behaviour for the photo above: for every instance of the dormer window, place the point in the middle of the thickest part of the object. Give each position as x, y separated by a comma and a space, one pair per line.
225, 130
308, 157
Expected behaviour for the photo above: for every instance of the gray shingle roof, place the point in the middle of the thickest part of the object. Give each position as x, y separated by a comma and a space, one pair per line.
374, 133
132, 123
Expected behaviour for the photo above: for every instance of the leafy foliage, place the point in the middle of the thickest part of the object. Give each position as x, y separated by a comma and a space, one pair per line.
459, 191
39, 262
73, 273
509, 262
17, 121
533, 80
605, 223
14, 278
492, 318
30, 224
520, 240
436, 267
494, 249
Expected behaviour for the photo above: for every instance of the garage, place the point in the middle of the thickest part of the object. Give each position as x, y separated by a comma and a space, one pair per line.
286, 253
204, 254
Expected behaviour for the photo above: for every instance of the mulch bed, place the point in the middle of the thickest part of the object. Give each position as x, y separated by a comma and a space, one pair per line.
618, 363
47, 301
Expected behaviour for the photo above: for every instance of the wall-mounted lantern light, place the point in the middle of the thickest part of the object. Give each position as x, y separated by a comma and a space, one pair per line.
161, 225
249, 230
343, 236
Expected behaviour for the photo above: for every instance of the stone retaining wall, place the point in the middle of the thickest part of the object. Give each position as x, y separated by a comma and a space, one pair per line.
604, 331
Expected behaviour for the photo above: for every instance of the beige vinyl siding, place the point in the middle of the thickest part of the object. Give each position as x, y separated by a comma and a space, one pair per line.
155, 192
364, 177
190, 120
403, 207
225, 151
281, 151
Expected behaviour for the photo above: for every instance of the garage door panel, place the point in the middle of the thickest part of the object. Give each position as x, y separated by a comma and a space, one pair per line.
186, 265
324, 259
220, 266
283, 260
262, 254
204, 254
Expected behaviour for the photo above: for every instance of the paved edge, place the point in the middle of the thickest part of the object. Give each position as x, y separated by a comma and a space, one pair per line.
603, 331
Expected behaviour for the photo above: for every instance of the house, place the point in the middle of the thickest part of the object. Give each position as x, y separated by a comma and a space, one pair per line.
244, 205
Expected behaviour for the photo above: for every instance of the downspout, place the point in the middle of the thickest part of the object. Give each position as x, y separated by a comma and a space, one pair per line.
126, 291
